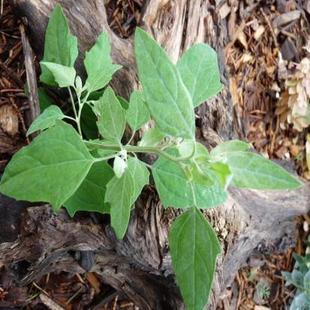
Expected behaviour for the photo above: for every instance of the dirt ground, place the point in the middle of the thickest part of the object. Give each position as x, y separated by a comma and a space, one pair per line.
269, 41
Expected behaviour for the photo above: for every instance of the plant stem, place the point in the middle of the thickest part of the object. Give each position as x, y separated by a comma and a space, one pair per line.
131, 137
140, 149
104, 158
72, 102
70, 118
81, 105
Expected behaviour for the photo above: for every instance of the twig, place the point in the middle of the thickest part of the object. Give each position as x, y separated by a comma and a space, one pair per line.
34, 108
270, 28
51, 304
115, 302
74, 295
12, 75
105, 301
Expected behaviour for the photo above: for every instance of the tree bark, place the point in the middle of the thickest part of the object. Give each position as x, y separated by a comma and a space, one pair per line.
140, 265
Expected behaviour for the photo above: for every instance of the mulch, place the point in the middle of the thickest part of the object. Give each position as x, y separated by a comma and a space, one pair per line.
260, 31
268, 41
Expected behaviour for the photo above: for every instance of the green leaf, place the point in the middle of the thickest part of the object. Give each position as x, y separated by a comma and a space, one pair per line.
185, 187
137, 114
202, 155
152, 137
229, 147
167, 98
186, 148
46, 120
98, 64
123, 192
306, 283
60, 46
124, 103
140, 175
200, 72
90, 195
50, 169
111, 116
254, 171
223, 173
119, 196
44, 99
300, 302
88, 123
63, 75
194, 248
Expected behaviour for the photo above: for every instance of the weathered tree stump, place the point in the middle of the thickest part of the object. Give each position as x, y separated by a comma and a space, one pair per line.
140, 265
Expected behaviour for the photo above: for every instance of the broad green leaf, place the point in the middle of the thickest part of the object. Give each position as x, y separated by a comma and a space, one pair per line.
88, 123
202, 154
140, 175
166, 96
194, 248
119, 195
46, 120
254, 171
137, 113
90, 195
50, 169
152, 137
60, 46
124, 103
301, 302
200, 72
111, 116
44, 99
123, 192
98, 64
223, 173
306, 283
230, 146
185, 187
186, 148
64, 76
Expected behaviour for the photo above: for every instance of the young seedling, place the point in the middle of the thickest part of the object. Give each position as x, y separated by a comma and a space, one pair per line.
65, 168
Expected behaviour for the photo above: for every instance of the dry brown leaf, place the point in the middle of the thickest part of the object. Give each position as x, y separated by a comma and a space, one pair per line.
259, 32
9, 119
308, 151
242, 39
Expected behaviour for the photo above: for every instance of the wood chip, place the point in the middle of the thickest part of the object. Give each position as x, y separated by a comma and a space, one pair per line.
289, 50
259, 31
224, 10
94, 282
9, 119
286, 18
242, 39
49, 303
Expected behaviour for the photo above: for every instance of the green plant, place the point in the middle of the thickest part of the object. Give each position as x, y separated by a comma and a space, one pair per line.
262, 290
300, 278
68, 166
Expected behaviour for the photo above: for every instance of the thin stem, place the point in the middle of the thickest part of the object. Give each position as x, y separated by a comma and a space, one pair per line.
81, 105
70, 118
72, 102
131, 137
104, 158
141, 149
